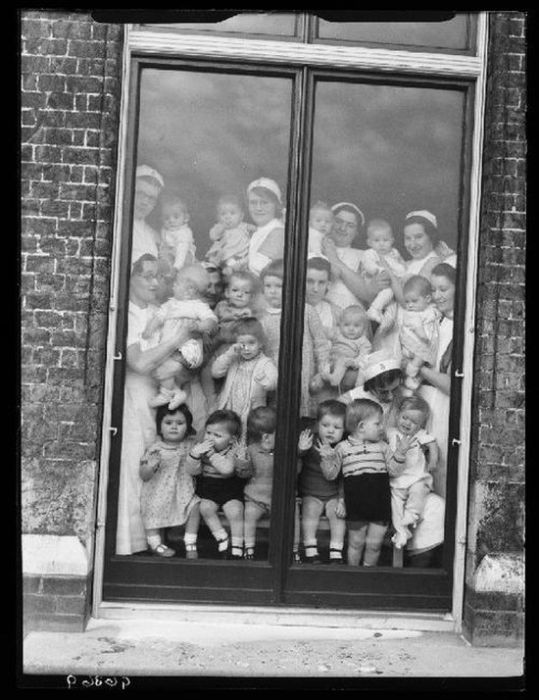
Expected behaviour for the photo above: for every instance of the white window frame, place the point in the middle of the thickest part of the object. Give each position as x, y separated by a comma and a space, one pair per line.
380, 60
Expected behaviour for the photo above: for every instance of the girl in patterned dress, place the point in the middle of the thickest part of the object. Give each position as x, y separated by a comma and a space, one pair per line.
249, 373
168, 492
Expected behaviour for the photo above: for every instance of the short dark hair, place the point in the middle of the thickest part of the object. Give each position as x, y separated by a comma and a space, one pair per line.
230, 418
445, 270
331, 407
163, 411
430, 229
321, 264
250, 326
273, 269
359, 410
389, 376
259, 421
138, 265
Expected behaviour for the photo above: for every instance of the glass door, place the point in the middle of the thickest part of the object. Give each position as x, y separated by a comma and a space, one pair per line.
381, 223
281, 228
211, 155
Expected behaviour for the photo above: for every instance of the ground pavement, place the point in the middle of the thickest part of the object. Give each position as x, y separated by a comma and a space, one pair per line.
134, 649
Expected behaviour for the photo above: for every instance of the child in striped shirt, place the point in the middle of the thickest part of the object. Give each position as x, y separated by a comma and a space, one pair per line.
366, 463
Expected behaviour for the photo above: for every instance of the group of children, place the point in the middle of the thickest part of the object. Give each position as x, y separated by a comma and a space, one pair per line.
349, 469
361, 477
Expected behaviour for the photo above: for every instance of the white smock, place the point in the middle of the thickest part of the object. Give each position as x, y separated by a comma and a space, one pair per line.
438, 422
138, 433
144, 240
258, 261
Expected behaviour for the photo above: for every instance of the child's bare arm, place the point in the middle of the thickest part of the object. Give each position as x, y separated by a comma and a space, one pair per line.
244, 466
396, 461
305, 441
267, 376
149, 463
222, 363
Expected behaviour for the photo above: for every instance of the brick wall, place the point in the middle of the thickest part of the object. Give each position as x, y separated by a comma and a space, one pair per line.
496, 516
70, 75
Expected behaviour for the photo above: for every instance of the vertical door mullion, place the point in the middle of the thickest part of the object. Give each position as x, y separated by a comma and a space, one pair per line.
290, 351
458, 339
123, 300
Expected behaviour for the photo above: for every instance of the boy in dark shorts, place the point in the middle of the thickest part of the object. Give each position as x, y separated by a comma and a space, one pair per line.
220, 480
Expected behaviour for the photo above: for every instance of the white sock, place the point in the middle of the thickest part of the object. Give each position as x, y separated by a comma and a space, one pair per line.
335, 550
311, 549
154, 540
237, 546
222, 539
190, 541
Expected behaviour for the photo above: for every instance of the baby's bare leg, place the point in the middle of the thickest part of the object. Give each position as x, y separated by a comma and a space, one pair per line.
253, 513
339, 368
337, 530
415, 502
234, 512
311, 510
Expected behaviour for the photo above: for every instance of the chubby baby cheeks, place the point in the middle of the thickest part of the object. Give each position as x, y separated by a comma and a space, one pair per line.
353, 323
239, 290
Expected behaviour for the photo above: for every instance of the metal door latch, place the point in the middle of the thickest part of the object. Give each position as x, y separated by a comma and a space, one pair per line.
455, 442
114, 431
118, 356
458, 373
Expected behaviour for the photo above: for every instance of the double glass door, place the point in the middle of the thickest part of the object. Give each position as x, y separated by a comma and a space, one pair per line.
338, 156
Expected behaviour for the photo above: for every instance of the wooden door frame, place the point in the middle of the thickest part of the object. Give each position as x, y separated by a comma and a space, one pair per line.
271, 53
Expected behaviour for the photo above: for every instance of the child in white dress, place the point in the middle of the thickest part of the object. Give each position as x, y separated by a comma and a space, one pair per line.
230, 236
416, 322
168, 492
381, 255
177, 243
320, 223
237, 304
411, 486
349, 345
186, 307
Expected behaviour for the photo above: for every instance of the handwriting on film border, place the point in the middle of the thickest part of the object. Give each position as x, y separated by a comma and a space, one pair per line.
98, 682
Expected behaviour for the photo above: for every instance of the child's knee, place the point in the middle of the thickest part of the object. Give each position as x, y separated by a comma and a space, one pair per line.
208, 507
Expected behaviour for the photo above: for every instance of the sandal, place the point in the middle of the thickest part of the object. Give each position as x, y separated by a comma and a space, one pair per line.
163, 551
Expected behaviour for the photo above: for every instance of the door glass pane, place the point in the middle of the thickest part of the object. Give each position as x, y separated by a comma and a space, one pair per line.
210, 182
448, 34
276, 24
384, 210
